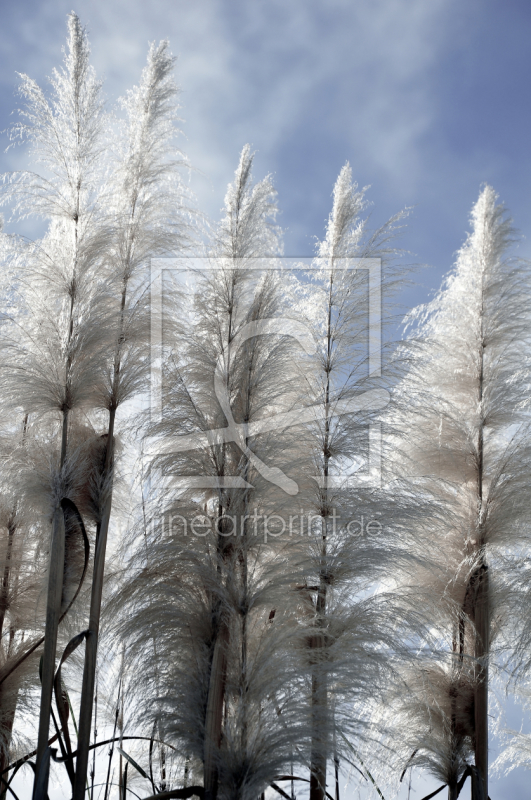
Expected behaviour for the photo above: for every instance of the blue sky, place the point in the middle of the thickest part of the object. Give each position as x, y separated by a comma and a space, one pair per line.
427, 99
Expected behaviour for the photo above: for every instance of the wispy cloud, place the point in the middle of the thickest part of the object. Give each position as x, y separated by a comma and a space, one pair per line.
310, 85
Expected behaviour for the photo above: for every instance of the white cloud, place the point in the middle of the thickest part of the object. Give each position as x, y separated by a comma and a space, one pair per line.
262, 72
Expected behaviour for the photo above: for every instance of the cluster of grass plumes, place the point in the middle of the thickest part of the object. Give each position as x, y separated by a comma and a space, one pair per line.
312, 548
76, 321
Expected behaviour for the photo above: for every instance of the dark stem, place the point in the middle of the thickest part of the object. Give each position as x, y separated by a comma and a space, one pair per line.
53, 612
91, 646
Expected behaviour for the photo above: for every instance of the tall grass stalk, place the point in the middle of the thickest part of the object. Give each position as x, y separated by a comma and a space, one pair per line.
146, 197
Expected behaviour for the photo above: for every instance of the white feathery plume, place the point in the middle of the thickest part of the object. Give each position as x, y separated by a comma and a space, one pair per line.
460, 430
65, 137
56, 344
145, 197
348, 628
221, 599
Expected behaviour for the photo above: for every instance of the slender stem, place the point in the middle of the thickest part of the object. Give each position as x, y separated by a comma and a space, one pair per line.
91, 646
214, 712
218, 666
111, 750
53, 618
4, 592
53, 611
244, 567
319, 683
121, 733
481, 606
95, 739
162, 767
8, 704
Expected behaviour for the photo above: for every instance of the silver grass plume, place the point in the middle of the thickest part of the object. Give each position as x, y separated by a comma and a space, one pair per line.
349, 623
146, 200
461, 437
56, 344
221, 640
